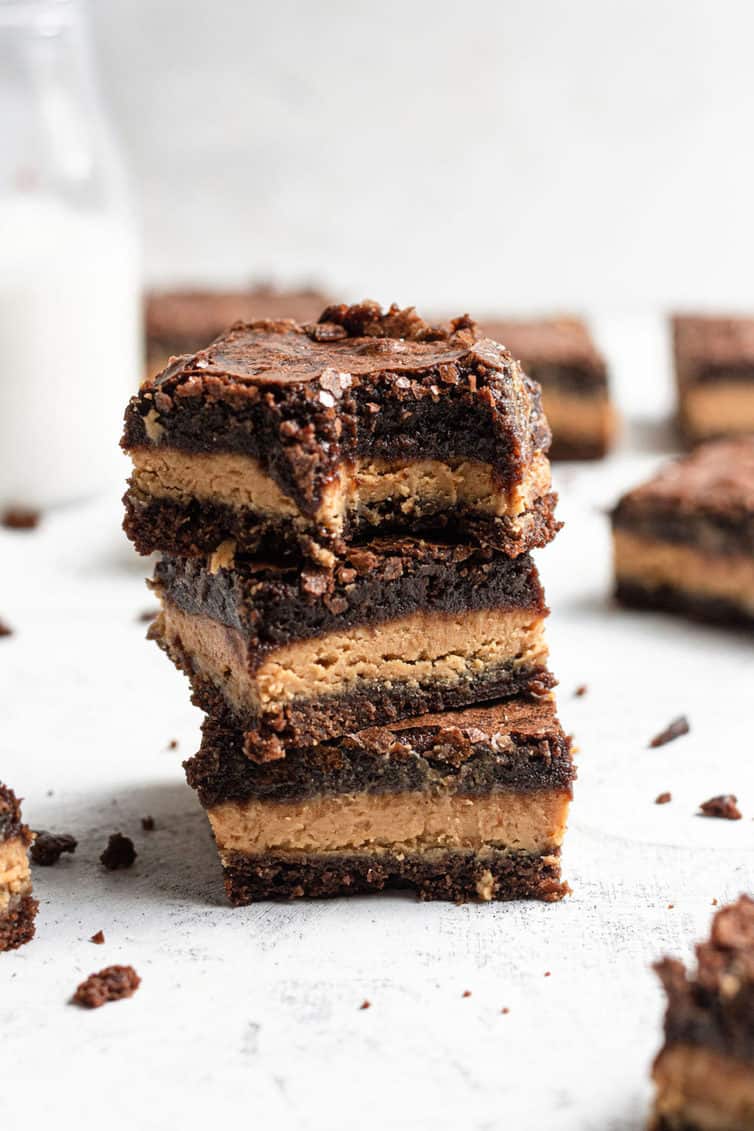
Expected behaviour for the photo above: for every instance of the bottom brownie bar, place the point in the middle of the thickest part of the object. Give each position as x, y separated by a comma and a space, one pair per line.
17, 906
463, 805
704, 1074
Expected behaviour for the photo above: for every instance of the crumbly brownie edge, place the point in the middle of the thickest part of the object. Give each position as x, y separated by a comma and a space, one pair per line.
665, 599
17, 922
11, 824
197, 527
458, 876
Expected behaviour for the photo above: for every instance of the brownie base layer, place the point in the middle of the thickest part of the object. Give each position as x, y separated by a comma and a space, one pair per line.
665, 599
196, 528
17, 922
458, 876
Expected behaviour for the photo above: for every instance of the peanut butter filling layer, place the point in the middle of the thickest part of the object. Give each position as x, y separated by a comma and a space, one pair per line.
719, 409
406, 822
422, 647
15, 875
575, 418
653, 564
421, 486
698, 1087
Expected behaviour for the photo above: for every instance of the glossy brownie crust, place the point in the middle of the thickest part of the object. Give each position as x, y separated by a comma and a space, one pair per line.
459, 876
517, 745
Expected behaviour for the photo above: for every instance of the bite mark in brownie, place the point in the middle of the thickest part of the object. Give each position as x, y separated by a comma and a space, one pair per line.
314, 434
684, 540
18, 908
714, 367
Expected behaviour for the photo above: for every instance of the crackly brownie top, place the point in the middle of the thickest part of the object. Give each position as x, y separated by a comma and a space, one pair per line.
190, 319
713, 343
11, 824
715, 1004
718, 476
517, 745
551, 347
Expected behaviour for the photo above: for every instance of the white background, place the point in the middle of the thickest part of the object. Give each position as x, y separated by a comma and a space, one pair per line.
513, 153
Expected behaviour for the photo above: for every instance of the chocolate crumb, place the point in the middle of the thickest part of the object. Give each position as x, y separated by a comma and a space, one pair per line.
714, 903
366, 1004
673, 730
5, 629
98, 938
111, 984
49, 847
581, 690
120, 852
147, 615
20, 518
173, 744
725, 805
148, 825
671, 906
466, 993
505, 1009
663, 798
547, 973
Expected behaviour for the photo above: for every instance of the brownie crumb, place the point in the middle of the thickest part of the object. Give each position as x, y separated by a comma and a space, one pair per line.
173, 744
49, 847
663, 798
671, 906
505, 1009
466, 993
147, 615
5, 629
673, 730
120, 852
148, 825
547, 973
366, 1004
725, 805
111, 984
581, 691
98, 938
20, 518
714, 903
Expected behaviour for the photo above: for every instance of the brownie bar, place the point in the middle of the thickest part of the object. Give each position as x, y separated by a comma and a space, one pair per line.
684, 540
184, 321
714, 368
560, 354
306, 437
704, 1074
18, 908
462, 805
401, 628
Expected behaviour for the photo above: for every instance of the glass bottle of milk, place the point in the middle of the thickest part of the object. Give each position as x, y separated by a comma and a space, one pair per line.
70, 333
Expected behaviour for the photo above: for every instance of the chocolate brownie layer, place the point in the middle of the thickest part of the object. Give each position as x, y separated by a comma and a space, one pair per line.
17, 906
714, 365
456, 875
323, 430
705, 1071
515, 746
401, 629
560, 354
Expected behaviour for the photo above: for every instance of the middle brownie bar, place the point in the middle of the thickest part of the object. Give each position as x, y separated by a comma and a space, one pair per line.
400, 628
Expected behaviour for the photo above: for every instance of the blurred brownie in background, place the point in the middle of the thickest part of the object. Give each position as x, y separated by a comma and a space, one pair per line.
684, 540
559, 353
714, 370
184, 321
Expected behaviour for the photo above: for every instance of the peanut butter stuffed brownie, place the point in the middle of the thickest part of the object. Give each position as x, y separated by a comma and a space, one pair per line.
18, 908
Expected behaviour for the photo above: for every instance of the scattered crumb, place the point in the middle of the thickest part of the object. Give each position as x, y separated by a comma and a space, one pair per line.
671, 906
5, 629
120, 852
172, 745
49, 847
725, 805
98, 938
466, 993
111, 984
663, 798
147, 615
20, 518
714, 903
673, 730
366, 1004
548, 973
505, 1009
148, 825
581, 691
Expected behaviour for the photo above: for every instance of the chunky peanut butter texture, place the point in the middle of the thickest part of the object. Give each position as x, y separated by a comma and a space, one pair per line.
422, 486
697, 1087
532, 822
652, 563
14, 871
718, 408
424, 646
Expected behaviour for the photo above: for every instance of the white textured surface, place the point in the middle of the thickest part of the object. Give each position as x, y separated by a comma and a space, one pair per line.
246, 1016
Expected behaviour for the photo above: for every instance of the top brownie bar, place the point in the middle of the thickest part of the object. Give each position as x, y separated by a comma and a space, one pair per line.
285, 437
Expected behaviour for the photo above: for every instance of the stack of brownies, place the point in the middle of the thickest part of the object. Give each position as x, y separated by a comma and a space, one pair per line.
344, 512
